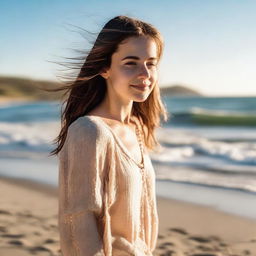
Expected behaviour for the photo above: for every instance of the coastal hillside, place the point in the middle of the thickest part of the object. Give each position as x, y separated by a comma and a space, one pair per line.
30, 89
179, 90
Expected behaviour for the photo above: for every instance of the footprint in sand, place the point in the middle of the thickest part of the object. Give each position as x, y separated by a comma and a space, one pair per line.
5, 212
37, 233
168, 244
215, 238
200, 239
25, 213
161, 247
50, 241
178, 230
3, 229
206, 254
204, 248
13, 235
168, 253
15, 242
39, 249
223, 244
247, 252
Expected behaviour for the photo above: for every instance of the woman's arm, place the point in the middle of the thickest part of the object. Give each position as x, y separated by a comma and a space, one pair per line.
80, 190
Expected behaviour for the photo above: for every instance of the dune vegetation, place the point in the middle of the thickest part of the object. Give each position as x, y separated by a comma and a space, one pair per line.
24, 88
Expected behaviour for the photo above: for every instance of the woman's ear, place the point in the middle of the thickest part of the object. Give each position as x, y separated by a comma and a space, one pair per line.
105, 73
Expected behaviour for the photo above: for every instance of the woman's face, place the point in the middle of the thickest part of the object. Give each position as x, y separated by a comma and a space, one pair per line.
133, 71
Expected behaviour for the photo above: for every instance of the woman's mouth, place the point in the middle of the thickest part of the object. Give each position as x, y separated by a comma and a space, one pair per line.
140, 87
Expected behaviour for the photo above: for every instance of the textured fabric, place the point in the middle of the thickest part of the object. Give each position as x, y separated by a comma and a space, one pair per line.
103, 208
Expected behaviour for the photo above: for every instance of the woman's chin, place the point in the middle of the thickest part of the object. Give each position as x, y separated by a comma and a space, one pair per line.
141, 97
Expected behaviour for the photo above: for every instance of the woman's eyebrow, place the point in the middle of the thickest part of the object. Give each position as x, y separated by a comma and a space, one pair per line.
137, 58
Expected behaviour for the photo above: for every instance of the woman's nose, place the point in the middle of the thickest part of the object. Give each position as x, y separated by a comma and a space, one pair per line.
144, 72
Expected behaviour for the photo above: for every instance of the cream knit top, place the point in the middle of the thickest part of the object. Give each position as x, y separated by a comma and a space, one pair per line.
104, 208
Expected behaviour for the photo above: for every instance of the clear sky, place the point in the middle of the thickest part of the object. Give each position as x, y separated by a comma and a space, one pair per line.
210, 45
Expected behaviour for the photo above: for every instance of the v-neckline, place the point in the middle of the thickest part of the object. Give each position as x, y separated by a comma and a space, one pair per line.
119, 141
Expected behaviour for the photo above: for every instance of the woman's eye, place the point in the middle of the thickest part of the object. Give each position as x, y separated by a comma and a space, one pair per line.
151, 64
130, 63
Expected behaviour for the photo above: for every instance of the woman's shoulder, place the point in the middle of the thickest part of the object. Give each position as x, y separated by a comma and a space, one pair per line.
86, 127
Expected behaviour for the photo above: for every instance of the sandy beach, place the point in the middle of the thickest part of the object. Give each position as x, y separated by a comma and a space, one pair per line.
28, 225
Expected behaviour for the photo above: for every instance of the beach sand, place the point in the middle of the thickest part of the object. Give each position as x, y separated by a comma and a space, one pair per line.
28, 225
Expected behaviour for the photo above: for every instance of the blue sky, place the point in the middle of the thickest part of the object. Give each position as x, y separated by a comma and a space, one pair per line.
209, 44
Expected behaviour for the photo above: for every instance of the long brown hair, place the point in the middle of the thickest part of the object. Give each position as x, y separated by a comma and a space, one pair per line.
89, 88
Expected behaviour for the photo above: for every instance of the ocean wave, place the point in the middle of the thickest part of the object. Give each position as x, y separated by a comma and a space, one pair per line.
28, 135
201, 177
200, 116
38, 111
180, 145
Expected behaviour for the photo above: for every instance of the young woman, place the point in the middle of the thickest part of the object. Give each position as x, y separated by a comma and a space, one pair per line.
107, 201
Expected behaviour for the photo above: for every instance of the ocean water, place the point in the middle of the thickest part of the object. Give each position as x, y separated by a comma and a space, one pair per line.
207, 142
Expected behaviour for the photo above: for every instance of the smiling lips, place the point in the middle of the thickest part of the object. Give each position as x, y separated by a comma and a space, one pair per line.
141, 87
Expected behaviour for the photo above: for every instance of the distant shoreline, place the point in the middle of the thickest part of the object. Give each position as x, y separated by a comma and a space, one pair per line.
6, 100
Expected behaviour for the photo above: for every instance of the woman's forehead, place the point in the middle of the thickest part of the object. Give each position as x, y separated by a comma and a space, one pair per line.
141, 47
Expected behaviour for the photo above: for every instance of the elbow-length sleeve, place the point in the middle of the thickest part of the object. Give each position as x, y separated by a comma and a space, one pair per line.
81, 167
